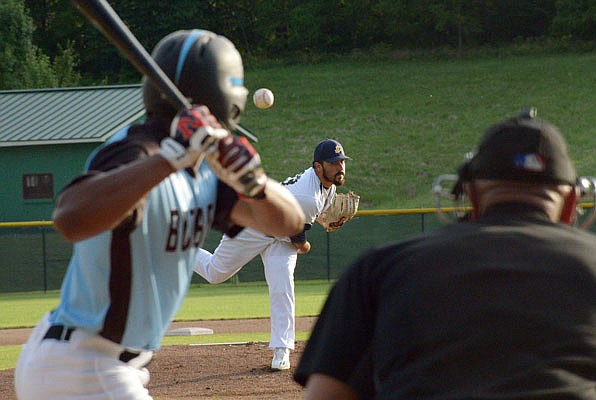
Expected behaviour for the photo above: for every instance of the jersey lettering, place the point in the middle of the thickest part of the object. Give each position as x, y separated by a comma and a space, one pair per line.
291, 180
186, 237
188, 229
199, 228
173, 234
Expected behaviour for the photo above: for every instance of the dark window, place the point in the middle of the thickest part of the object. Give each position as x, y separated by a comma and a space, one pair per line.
38, 186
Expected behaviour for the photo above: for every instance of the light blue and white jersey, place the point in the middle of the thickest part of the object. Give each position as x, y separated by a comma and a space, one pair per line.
127, 284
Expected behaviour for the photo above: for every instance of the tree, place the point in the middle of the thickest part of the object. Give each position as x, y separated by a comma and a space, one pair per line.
456, 18
23, 65
64, 66
576, 18
504, 21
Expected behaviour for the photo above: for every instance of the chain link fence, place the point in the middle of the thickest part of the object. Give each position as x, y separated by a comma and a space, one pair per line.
34, 257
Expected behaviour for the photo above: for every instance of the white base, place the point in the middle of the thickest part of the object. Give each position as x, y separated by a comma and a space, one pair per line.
192, 331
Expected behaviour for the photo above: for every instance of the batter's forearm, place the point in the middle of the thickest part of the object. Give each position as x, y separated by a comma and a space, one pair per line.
278, 214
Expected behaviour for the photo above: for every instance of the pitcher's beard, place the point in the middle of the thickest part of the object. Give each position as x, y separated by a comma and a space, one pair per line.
338, 179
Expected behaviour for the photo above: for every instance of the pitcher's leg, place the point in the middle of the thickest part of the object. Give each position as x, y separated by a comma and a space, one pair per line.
230, 256
280, 261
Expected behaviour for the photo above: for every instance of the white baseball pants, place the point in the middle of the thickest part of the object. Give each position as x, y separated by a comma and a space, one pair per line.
84, 367
279, 260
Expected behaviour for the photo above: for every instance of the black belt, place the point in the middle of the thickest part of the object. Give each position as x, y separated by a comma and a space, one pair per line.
60, 332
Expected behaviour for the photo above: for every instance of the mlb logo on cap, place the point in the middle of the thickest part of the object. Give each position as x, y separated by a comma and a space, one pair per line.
329, 150
529, 162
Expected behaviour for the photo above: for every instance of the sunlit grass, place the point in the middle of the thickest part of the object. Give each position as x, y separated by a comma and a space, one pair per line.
203, 302
405, 122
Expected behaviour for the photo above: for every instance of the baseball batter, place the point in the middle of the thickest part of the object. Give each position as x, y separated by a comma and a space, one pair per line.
314, 189
137, 217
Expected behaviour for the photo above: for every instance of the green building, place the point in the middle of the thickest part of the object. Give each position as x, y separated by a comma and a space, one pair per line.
46, 136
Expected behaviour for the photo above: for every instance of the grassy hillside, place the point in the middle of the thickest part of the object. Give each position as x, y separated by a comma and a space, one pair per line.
405, 122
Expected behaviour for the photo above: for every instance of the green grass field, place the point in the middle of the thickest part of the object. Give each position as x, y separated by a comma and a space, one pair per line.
204, 302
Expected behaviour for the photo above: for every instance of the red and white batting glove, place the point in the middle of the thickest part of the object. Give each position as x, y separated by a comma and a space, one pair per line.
238, 164
196, 132
192, 132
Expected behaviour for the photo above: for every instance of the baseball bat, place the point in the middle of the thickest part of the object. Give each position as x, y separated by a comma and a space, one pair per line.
107, 21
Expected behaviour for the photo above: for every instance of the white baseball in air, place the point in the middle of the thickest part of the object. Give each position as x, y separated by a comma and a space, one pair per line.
263, 98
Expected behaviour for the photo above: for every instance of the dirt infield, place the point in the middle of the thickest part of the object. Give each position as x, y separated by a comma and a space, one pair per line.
226, 371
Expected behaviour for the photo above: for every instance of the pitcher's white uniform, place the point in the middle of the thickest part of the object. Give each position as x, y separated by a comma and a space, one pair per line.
278, 255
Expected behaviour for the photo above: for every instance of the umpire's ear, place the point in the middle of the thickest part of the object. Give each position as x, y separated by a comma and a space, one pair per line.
569, 208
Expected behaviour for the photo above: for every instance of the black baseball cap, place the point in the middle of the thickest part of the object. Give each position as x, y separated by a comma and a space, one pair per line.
329, 150
523, 148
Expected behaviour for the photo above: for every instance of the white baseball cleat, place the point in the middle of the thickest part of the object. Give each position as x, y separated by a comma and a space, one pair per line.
281, 359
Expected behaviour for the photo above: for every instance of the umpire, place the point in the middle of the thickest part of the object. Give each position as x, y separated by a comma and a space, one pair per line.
501, 306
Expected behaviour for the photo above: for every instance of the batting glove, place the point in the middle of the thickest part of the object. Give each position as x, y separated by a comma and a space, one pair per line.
193, 131
176, 154
196, 128
238, 165
232, 158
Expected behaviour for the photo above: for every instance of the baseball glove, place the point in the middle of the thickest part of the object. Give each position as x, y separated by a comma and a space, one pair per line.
342, 210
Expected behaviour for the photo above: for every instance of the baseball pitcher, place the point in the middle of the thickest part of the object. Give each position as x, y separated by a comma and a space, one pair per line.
315, 191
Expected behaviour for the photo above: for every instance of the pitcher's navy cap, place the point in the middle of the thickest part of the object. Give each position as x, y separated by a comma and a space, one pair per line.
329, 150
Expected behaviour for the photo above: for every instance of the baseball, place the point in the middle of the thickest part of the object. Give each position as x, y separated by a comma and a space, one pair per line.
263, 98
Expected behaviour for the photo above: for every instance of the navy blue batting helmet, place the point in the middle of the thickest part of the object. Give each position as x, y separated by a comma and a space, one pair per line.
207, 68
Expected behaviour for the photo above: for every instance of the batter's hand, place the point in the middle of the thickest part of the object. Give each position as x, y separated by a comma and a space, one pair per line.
192, 132
238, 164
196, 128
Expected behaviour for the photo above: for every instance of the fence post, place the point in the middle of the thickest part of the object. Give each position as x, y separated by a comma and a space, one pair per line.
328, 257
44, 263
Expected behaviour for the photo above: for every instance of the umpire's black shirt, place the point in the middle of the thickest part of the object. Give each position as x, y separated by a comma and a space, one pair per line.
500, 308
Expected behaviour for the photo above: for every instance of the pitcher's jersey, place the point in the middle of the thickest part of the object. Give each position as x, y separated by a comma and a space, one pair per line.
310, 193
128, 283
